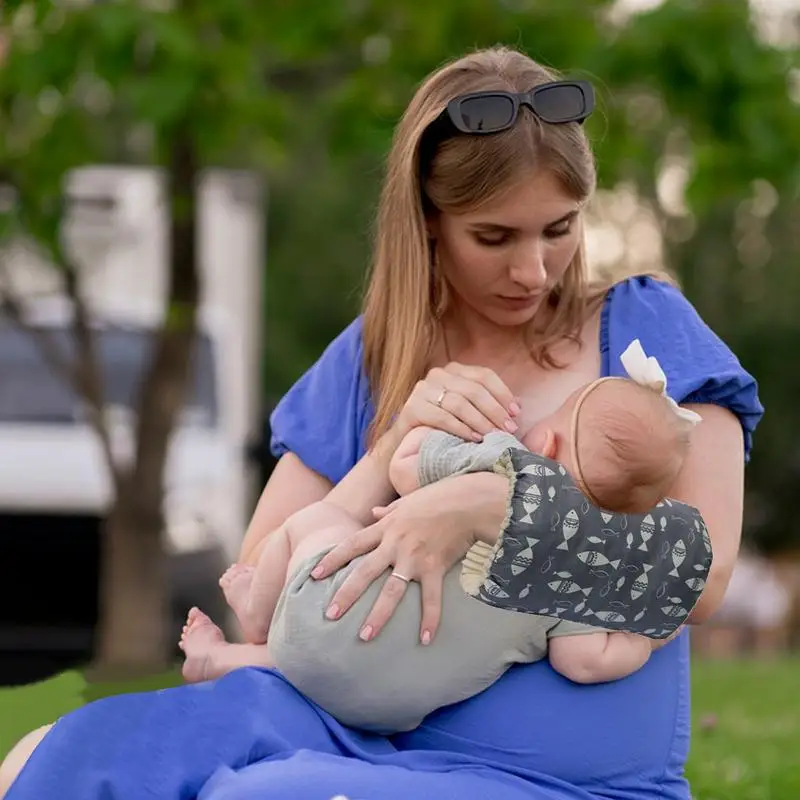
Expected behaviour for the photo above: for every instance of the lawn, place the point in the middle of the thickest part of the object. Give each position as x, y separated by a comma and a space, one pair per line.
746, 736
746, 741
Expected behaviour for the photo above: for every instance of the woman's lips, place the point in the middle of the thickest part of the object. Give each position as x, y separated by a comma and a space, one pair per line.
519, 303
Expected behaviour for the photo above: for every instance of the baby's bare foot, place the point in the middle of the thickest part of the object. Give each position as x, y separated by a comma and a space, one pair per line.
200, 641
235, 584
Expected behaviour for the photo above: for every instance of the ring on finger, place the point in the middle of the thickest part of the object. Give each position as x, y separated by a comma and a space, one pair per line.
401, 577
440, 398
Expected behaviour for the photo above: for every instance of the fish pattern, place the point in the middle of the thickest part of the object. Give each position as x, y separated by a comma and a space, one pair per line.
563, 557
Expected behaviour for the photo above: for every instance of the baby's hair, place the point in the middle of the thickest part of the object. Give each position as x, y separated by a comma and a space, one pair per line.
628, 444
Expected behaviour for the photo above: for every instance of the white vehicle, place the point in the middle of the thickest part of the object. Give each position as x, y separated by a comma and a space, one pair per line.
54, 485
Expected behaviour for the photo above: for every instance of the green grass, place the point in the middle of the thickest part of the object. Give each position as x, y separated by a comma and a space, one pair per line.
746, 734
745, 744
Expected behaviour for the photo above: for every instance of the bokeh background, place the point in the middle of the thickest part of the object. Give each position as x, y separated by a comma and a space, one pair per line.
147, 328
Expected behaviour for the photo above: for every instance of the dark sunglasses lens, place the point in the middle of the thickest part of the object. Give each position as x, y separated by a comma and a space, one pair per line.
560, 103
484, 114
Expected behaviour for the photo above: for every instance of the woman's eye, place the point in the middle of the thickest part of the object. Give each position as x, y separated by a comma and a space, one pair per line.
493, 240
560, 230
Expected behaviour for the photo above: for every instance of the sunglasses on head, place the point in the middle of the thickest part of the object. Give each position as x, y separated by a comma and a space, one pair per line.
487, 112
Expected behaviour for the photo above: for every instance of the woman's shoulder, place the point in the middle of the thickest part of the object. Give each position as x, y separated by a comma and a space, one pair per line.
700, 367
647, 299
324, 417
669, 327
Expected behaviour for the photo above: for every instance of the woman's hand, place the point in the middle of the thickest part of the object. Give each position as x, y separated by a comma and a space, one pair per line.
466, 401
419, 537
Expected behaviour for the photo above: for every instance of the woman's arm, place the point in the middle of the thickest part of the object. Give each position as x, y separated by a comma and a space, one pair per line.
479, 398
712, 480
548, 551
293, 486
420, 536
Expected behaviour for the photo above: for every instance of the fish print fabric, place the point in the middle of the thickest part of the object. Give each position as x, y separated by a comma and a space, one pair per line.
641, 573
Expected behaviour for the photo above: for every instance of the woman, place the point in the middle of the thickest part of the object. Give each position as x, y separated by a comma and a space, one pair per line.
478, 315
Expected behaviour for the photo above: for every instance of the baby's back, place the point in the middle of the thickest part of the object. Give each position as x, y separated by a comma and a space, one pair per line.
391, 683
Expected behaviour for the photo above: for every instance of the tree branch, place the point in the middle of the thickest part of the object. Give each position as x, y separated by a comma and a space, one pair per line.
82, 374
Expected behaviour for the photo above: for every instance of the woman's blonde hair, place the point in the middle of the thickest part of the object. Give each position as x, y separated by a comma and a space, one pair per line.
406, 293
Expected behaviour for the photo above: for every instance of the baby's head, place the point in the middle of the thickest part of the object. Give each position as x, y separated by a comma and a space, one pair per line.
623, 443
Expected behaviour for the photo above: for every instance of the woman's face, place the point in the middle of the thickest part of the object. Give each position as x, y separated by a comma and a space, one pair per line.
503, 259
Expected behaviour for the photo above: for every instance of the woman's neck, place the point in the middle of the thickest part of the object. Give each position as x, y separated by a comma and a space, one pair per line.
472, 339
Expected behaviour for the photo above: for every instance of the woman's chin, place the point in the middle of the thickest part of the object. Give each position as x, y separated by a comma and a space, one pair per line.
513, 317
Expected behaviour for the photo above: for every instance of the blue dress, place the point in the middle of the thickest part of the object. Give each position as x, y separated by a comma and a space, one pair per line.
531, 736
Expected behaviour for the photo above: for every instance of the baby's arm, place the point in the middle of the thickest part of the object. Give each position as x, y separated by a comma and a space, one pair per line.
404, 466
598, 657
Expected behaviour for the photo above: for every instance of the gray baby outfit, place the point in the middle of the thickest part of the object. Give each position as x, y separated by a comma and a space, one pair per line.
391, 683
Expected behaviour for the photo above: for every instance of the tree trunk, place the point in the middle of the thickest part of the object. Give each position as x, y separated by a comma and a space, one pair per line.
134, 624
134, 581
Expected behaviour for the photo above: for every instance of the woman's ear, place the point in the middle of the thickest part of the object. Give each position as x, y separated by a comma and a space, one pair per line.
432, 227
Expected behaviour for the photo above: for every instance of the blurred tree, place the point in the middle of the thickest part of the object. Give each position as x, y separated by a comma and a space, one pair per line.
126, 82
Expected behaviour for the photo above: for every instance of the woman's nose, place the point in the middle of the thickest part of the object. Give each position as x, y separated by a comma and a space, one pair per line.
527, 267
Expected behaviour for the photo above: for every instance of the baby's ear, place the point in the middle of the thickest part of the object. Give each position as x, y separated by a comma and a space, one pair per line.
542, 441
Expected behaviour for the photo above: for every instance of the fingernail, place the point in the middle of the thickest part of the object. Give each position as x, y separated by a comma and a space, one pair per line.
514, 409
426, 637
366, 633
510, 425
477, 437
317, 572
332, 612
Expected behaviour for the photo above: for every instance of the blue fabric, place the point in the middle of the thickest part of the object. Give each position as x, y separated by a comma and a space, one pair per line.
531, 736
324, 418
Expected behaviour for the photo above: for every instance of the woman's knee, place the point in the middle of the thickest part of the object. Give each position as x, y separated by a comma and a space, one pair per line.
18, 757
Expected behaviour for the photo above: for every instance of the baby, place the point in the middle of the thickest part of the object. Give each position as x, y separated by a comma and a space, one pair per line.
623, 441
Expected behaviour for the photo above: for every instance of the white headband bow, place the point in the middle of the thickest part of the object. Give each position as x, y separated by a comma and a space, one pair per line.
646, 371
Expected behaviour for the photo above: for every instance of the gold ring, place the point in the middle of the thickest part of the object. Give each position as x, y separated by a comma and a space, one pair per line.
401, 577
440, 398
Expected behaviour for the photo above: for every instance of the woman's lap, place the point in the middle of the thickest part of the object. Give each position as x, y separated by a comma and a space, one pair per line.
309, 775
229, 752
184, 735
257, 736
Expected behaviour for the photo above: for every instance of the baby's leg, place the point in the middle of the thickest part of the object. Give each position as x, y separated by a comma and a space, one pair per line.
598, 657
253, 592
209, 656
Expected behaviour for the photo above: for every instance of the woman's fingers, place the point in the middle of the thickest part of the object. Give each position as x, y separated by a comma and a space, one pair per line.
431, 587
392, 593
443, 420
353, 546
379, 512
473, 396
491, 381
369, 569
474, 405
